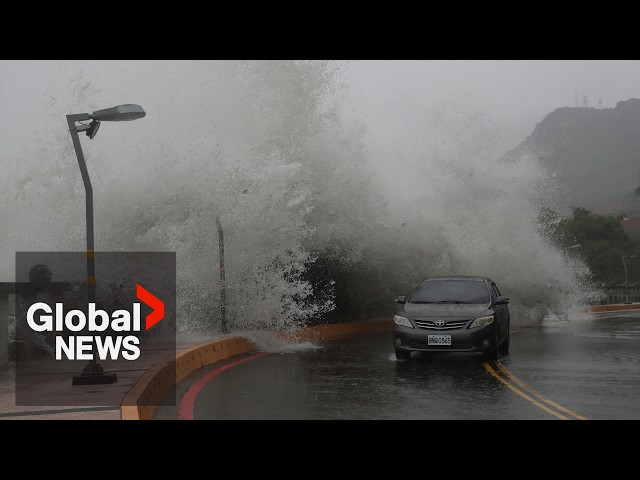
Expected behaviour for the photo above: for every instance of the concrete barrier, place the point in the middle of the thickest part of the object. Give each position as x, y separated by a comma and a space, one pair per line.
335, 330
611, 308
141, 401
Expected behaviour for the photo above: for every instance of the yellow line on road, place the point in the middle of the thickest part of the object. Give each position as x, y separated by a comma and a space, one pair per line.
493, 373
524, 386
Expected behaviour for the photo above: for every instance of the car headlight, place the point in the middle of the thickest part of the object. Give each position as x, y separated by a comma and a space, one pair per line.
481, 322
403, 321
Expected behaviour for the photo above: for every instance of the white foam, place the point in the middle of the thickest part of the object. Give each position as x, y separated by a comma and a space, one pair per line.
263, 146
268, 340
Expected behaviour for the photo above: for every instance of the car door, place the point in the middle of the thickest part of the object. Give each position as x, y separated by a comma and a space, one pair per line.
501, 313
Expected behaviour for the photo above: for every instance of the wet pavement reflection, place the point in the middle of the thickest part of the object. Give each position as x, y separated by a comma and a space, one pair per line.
591, 367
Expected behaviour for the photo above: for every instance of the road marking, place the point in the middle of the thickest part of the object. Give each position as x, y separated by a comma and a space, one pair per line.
493, 373
185, 411
524, 386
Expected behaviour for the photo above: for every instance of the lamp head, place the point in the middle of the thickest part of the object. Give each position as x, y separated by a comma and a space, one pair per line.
121, 113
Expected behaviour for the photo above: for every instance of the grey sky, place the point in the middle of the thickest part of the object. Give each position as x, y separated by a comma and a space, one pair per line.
515, 95
414, 112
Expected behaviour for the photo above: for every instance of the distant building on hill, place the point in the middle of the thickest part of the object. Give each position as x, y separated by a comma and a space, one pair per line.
613, 208
631, 224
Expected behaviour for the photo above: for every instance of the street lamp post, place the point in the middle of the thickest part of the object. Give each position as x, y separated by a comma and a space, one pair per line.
626, 278
93, 372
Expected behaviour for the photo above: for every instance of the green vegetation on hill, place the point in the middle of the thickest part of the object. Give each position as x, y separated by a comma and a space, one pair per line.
603, 243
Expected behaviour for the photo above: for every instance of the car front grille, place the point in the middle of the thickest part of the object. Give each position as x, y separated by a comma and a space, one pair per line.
431, 325
423, 344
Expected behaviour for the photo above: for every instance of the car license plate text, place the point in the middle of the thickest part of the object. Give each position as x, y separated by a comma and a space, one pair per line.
439, 340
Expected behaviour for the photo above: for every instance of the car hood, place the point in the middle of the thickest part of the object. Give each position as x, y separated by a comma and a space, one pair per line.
460, 310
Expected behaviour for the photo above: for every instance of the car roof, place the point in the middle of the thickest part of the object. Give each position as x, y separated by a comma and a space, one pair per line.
460, 277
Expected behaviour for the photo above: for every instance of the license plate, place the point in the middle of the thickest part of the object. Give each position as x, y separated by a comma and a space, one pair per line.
439, 340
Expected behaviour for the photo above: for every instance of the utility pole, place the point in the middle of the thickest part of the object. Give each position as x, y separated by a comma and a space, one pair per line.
223, 300
576, 97
626, 278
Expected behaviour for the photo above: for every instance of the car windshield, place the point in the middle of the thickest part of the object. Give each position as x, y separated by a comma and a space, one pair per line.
451, 291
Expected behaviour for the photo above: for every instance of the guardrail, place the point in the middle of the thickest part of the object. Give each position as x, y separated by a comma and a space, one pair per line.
27, 292
621, 295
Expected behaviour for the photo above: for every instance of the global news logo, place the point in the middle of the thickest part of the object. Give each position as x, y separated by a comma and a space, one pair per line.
125, 324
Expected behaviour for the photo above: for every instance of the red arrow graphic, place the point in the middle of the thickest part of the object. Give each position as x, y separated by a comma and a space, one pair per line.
154, 302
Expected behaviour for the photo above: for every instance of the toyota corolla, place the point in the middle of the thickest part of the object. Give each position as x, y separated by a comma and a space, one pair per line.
453, 314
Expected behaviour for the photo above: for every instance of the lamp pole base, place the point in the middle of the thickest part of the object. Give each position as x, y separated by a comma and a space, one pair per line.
94, 374
94, 379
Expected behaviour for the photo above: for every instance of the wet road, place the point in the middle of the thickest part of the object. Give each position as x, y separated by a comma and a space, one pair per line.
583, 369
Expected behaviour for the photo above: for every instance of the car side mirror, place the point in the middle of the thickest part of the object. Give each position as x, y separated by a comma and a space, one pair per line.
401, 299
502, 300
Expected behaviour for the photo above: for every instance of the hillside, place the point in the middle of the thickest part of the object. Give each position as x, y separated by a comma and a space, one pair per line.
593, 155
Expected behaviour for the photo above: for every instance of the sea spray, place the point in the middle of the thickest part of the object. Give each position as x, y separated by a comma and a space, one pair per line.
265, 146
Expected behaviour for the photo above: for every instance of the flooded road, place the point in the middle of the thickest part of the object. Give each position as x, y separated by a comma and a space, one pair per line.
586, 369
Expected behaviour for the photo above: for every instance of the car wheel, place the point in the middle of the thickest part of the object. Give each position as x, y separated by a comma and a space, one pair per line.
493, 353
403, 355
504, 347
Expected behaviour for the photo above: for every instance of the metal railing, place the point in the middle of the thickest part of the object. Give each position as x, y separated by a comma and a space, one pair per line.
622, 294
25, 292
